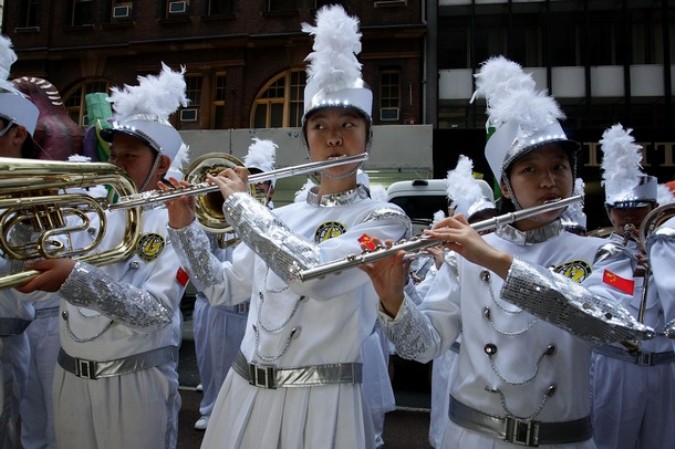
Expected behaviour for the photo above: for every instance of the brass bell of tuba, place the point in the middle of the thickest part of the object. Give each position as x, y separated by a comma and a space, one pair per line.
40, 195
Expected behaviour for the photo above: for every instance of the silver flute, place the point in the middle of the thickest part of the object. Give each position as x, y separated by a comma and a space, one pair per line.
156, 197
417, 244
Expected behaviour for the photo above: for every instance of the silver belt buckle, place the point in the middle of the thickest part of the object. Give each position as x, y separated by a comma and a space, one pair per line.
86, 368
262, 376
645, 359
242, 308
523, 432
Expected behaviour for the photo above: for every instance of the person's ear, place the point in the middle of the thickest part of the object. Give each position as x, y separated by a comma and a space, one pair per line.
506, 193
164, 164
19, 135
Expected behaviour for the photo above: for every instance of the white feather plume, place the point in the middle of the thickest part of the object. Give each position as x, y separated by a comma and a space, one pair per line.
155, 95
379, 193
301, 195
461, 185
262, 154
621, 161
664, 195
7, 58
179, 162
438, 216
575, 212
511, 94
337, 41
498, 75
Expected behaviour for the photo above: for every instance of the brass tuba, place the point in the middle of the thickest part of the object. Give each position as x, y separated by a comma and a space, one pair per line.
34, 193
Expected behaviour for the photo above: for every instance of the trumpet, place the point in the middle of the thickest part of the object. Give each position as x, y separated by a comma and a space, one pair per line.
156, 197
416, 244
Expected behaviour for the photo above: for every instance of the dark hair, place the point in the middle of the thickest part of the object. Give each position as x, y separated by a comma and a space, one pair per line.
28, 149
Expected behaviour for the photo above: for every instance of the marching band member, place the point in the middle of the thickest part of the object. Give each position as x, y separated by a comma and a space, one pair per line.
297, 380
520, 379
474, 200
58, 136
220, 329
117, 383
632, 390
18, 119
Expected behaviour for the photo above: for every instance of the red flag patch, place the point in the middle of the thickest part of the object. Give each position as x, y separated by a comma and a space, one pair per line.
367, 241
625, 285
182, 276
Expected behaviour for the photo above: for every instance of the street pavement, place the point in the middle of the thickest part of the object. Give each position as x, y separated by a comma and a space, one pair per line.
405, 428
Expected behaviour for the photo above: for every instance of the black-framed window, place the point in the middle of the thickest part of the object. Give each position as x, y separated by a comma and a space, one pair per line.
82, 13
219, 7
282, 5
29, 14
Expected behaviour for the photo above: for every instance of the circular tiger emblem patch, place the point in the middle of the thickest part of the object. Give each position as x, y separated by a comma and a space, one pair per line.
150, 246
576, 270
328, 230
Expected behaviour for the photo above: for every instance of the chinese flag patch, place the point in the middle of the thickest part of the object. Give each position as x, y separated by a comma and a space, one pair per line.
182, 276
625, 285
367, 241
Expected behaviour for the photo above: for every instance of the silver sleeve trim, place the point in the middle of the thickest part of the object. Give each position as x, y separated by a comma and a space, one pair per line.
570, 306
411, 331
285, 252
194, 250
90, 287
388, 213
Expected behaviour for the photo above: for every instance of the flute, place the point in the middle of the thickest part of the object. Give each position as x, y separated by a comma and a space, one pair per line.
417, 244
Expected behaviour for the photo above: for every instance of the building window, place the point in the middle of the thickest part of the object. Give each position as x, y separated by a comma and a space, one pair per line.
219, 7
83, 12
29, 14
281, 102
218, 104
121, 10
390, 96
318, 4
282, 5
194, 89
563, 38
455, 48
74, 100
177, 8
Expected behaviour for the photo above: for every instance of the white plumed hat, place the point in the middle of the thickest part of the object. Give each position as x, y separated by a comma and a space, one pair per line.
523, 118
626, 185
574, 216
468, 194
261, 156
334, 73
14, 106
143, 111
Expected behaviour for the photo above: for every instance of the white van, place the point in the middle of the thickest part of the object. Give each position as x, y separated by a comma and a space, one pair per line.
420, 199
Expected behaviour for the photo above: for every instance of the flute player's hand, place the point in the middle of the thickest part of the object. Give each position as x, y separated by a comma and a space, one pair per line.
389, 276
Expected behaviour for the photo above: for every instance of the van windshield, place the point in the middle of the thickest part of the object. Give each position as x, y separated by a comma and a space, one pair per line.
421, 208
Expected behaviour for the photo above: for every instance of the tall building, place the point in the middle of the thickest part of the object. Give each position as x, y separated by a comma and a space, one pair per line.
605, 61
244, 58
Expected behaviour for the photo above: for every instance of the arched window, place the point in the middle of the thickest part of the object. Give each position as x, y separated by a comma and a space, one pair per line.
279, 104
75, 102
